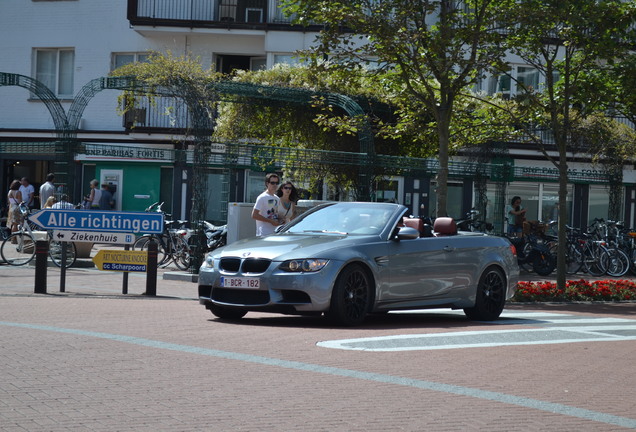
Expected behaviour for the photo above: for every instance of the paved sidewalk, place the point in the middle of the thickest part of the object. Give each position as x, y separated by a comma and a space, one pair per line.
85, 279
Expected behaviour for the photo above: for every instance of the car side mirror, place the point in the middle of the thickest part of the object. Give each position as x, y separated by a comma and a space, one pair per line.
407, 233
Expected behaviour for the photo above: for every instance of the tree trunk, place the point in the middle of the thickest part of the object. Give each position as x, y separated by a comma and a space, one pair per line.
443, 130
563, 214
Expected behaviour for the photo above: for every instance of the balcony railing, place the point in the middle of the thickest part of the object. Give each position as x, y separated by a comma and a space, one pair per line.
207, 13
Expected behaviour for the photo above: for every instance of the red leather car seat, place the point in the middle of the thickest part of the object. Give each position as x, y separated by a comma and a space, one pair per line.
416, 223
444, 226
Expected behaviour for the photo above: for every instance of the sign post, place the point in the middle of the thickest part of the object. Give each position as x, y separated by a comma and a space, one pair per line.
97, 226
118, 260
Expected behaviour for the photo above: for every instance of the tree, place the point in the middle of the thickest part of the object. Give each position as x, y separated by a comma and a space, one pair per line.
572, 44
429, 51
623, 84
184, 80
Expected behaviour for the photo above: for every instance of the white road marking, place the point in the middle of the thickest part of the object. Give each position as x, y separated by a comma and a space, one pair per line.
546, 328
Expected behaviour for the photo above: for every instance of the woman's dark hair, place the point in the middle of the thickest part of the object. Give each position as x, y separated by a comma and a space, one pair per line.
293, 196
15, 185
514, 198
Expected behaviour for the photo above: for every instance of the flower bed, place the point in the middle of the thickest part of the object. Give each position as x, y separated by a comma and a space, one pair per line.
579, 290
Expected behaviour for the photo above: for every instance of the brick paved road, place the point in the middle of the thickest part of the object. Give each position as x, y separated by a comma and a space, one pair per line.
94, 360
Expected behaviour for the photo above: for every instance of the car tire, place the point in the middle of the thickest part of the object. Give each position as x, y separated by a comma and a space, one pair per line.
491, 296
351, 296
226, 313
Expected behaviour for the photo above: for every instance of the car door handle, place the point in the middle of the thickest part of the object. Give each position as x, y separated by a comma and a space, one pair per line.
449, 249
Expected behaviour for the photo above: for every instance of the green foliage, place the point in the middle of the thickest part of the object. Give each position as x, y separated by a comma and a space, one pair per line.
623, 83
426, 52
182, 78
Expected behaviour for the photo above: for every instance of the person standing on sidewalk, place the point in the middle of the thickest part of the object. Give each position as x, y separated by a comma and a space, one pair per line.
106, 201
265, 211
14, 218
28, 191
47, 189
95, 196
516, 215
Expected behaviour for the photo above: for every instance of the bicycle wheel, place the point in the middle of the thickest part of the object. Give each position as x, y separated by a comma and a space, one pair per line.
55, 252
615, 261
18, 249
632, 261
573, 259
592, 259
142, 244
526, 265
181, 253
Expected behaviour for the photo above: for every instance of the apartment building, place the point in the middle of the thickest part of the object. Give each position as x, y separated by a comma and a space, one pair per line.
68, 45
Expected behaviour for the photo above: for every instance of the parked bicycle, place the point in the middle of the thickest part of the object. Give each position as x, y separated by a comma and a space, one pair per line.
471, 222
19, 248
594, 252
171, 245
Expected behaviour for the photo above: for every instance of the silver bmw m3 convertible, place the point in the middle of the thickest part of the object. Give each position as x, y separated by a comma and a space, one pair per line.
350, 259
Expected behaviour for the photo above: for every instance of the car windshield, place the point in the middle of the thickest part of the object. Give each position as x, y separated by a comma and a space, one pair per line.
346, 218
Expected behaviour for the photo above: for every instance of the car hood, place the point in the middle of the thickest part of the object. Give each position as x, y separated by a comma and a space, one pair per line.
290, 246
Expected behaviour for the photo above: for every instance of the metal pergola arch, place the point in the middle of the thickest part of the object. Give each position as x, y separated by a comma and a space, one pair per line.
63, 163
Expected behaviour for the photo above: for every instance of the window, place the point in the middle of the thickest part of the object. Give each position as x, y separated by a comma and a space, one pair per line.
540, 200
528, 77
510, 84
454, 198
258, 63
290, 59
54, 68
500, 84
121, 59
599, 203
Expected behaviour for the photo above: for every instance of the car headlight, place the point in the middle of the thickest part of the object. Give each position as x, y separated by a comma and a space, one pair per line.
208, 262
304, 265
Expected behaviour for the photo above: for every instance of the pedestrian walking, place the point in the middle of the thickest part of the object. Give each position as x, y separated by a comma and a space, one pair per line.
288, 197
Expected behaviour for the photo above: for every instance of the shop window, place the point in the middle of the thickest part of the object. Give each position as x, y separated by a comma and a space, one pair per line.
539, 199
598, 203
388, 190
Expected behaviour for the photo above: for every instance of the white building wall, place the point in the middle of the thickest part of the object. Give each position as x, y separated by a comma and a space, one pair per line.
95, 29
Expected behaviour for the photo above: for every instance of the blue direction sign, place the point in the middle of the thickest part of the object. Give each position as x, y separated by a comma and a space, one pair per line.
99, 221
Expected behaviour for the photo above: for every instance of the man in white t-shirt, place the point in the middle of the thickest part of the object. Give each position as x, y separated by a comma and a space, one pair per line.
27, 190
265, 211
47, 189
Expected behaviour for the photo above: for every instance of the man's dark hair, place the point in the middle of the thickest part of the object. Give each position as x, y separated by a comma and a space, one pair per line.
269, 176
50, 177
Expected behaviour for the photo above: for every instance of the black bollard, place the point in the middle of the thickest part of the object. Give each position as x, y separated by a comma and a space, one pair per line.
124, 283
41, 258
151, 269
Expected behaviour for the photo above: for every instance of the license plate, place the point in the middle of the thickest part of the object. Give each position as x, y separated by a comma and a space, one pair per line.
240, 282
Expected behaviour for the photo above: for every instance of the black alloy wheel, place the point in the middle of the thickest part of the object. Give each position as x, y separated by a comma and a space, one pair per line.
491, 296
351, 296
